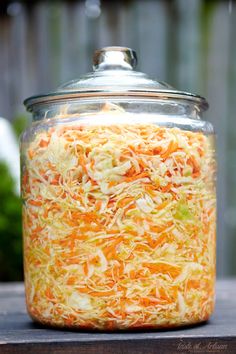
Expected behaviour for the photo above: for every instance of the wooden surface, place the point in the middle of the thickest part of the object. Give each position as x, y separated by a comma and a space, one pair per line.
18, 334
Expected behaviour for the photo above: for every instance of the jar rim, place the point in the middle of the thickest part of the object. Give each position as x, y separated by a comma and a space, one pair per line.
158, 94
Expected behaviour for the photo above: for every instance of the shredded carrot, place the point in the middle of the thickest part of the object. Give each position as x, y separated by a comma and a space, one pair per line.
43, 143
157, 242
82, 163
103, 293
162, 205
31, 153
35, 202
193, 284
163, 268
166, 188
135, 177
173, 146
161, 228
122, 203
72, 280
110, 251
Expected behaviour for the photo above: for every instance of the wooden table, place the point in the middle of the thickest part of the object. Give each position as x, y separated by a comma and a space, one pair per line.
18, 334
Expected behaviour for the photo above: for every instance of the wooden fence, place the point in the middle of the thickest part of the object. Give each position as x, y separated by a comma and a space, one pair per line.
189, 43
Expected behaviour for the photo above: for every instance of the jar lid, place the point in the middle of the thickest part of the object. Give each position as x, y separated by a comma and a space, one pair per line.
114, 75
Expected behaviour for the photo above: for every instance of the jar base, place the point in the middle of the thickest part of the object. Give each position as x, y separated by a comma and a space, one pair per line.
43, 323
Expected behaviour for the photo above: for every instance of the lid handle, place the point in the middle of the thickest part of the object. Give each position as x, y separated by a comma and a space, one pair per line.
114, 58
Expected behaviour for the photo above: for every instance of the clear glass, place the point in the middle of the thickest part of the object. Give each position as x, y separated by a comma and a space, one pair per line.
119, 214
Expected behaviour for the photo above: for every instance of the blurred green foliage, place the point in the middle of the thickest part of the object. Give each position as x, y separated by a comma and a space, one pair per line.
11, 259
10, 228
19, 124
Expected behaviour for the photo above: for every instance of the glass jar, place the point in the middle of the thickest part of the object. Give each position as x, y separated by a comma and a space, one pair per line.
119, 204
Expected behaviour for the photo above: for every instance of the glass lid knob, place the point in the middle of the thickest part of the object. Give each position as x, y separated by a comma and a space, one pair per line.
114, 58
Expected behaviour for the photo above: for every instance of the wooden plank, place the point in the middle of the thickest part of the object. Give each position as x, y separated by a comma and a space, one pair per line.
152, 40
217, 91
18, 334
188, 71
74, 61
132, 347
43, 45
230, 156
127, 24
5, 105
108, 25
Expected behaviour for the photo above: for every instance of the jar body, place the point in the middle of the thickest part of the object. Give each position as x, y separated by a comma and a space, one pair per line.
119, 216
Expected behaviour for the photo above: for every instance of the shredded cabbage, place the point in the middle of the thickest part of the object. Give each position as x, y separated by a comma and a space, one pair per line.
119, 225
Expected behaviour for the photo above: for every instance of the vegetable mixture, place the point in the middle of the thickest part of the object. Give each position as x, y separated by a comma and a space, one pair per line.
119, 226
